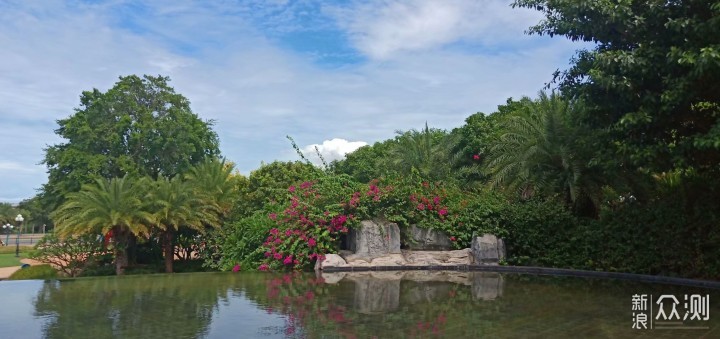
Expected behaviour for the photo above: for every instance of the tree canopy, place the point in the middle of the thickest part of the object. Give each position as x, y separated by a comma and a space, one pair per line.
140, 127
652, 79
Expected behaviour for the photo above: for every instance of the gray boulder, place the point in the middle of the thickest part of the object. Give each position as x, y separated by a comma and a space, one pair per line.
425, 239
374, 238
488, 249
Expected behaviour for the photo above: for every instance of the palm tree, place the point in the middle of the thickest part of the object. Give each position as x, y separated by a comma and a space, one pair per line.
540, 152
108, 206
196, 201
215, 181
173, 204
424, 151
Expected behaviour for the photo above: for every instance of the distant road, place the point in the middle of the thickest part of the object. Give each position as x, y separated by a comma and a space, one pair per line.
26, 239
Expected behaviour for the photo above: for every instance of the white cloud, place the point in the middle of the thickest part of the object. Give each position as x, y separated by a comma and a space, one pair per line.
383, 28
256, 90
335, 149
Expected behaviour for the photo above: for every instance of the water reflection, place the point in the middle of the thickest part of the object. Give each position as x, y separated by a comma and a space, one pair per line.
345, 305
132, 307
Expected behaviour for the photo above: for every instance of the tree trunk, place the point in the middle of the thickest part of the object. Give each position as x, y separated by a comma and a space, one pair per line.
120, 249
131, 249
168, 248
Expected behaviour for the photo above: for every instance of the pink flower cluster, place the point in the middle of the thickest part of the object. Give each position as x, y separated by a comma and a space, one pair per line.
434, 204
302, 232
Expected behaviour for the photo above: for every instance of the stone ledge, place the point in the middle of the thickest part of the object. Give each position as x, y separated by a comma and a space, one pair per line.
540, 271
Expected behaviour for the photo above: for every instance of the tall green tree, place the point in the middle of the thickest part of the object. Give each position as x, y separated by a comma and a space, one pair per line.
109, 206
652, 78
269, 184
140, 126
367, 162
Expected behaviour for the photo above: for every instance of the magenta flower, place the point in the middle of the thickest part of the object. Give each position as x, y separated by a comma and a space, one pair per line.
436, 200
421, 207
311, 242
277, 256
272, 216
274, 231
236, 268
288, 260
263, 267
291, 189
443, 212
476, 157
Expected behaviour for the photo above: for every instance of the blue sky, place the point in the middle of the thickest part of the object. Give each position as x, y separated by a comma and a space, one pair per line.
337, 74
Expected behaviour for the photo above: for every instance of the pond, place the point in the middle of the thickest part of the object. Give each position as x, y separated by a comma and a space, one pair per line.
407, 304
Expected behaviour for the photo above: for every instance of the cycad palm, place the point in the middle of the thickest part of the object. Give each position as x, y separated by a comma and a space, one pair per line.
423, 151
213, 179
112, 205
174, 204
539, 152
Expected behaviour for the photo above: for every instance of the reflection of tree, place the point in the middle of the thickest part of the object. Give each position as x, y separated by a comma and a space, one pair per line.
467, 305
177, 306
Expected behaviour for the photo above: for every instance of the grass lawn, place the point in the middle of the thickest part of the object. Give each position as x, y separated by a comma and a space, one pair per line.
7, 260
7, 255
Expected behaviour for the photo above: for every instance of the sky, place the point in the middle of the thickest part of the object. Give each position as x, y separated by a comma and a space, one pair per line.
333, 74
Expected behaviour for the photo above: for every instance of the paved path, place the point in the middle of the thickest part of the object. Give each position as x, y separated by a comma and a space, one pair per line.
5, 272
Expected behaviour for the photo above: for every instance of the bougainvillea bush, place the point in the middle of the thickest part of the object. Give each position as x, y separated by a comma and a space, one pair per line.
316, 216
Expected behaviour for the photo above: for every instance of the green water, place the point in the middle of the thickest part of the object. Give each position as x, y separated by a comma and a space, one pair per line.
365, 305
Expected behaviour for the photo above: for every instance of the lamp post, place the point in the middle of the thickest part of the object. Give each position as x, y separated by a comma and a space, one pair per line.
19, 219
8, 228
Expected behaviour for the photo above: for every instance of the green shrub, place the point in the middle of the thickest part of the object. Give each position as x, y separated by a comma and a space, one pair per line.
34, 272
71, 255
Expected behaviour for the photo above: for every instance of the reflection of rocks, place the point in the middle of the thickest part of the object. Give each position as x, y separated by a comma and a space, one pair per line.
426, 291
487, 285
488, 249
374, 238
331, 278
380, 291
417, 238
374, 295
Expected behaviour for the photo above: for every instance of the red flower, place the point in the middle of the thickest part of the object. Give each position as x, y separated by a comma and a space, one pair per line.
452, 239
291, 189
311, 242
420, 207
476, 157
442, 212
